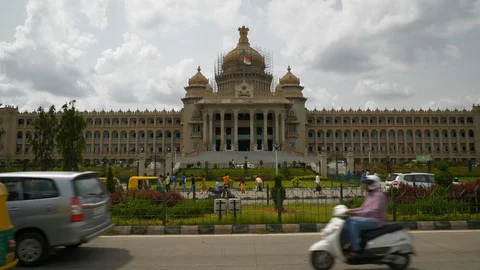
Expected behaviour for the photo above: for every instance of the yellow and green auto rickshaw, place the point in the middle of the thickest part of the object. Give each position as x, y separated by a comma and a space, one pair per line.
117, 182
141, 182
7, 240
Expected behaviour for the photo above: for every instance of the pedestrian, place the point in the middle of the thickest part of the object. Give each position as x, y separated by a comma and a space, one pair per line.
192, 185
259, 183
318, 182
167, 182
243, 186
174, 181
184, 183
160, 181
226, 185
203, 184
218, 187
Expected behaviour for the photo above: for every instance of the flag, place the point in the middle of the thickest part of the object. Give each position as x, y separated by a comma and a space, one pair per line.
246, 61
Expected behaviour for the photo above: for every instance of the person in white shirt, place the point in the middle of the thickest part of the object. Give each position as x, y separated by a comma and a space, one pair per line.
259, 183
318, 188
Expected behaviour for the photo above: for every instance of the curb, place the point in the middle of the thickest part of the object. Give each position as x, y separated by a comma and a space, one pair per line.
278, 228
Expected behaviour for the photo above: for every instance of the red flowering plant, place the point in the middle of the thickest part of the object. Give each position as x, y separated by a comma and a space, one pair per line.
172, 197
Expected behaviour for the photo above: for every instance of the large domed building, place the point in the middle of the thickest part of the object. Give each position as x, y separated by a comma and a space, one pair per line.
244, 109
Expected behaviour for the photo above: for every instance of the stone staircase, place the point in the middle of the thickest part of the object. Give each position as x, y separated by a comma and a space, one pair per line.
252, 157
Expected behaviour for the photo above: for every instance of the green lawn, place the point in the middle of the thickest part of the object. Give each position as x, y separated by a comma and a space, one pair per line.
237, 172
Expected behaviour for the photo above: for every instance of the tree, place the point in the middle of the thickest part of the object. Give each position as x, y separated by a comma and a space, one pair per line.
110, 181
70, 140
43, 142
443, 177
278, 192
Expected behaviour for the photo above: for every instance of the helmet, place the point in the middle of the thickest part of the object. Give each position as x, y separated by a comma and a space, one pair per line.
372, 181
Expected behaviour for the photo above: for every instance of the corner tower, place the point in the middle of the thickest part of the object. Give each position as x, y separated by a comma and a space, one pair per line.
198, 87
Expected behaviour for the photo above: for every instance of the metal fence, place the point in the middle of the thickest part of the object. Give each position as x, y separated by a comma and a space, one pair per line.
299, 205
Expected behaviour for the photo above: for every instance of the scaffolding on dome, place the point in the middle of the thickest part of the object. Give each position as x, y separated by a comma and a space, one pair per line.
269, 67
217, 66
268, 56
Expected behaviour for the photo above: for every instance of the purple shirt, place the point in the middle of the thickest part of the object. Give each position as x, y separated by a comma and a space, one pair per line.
374, 207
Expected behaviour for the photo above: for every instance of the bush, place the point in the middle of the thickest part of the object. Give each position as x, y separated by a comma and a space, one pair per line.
444, 178
137, 208
190, 208
442, 166
155, 197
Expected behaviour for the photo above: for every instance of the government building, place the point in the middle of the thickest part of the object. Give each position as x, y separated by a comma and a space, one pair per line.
246, 111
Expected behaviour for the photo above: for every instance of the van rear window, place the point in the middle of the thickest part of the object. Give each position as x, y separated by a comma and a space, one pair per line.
392, 177
89, 187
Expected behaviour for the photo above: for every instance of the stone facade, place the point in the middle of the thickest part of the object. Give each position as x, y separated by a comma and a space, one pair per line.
243, 114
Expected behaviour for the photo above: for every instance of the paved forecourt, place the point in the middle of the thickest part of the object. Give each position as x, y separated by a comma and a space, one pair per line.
436, 250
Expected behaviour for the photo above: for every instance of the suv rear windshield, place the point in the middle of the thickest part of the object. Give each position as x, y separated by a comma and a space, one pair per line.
89, 187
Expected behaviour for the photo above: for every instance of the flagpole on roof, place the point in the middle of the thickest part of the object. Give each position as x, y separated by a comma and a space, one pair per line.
243, 68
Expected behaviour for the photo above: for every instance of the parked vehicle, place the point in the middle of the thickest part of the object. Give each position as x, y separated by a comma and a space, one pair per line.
418, 179
7, 241
141, 182
52, 209
390, 245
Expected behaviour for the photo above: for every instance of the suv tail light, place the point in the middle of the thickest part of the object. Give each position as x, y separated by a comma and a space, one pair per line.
77, 212
11, 246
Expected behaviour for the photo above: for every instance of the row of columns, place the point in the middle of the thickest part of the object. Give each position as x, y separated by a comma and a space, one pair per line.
208, 132
424, 143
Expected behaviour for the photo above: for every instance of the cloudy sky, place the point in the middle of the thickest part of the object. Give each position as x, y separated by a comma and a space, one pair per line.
133, 54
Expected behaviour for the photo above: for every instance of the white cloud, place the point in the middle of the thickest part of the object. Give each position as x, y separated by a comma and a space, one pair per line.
96, 11
370, 36
46, 51
132, 73
228, 43
320, 98
459, 103
166, 17
382, 90
371, 104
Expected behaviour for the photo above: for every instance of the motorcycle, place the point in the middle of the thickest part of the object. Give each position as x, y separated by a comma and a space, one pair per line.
389, 245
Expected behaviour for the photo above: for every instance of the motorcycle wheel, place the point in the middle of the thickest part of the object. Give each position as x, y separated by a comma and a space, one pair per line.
401, 262
321, 260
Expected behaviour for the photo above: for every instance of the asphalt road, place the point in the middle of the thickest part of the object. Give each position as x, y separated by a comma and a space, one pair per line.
436, 250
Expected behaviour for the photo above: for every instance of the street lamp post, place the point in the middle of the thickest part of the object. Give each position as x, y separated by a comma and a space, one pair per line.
276, 147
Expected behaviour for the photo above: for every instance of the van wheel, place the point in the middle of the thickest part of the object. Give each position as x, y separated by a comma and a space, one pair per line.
32, 249
321, 260
401, 262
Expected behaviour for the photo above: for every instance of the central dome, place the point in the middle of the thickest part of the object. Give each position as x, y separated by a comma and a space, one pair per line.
234, 60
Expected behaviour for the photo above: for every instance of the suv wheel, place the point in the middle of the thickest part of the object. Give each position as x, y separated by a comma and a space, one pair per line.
73, 246
32, 249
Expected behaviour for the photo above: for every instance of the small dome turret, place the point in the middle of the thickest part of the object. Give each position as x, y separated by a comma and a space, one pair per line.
289, 78
198, 79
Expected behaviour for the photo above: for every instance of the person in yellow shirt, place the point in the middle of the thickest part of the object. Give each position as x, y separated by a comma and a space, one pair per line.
226, 180
226, 185
243, 186
203, 184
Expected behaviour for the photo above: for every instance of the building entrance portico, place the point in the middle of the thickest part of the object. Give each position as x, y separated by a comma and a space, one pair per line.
242, 129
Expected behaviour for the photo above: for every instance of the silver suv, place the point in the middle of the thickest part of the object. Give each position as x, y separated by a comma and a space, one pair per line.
52, 209
418, 179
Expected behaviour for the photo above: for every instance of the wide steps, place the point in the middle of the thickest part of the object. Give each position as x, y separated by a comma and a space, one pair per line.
252, 157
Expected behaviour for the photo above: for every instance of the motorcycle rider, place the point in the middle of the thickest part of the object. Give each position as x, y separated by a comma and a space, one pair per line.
371, 215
